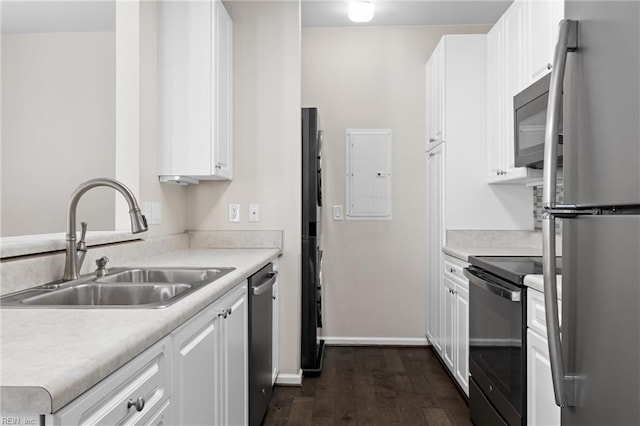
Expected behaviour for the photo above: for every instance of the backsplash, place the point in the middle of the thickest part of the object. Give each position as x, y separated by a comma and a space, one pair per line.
537, 207
22, 272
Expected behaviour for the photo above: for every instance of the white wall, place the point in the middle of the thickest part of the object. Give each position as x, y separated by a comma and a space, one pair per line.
172, 197
267, 152
58, 129
373, 77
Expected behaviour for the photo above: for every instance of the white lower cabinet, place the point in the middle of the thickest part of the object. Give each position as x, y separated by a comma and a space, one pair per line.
454, 319
541, 406
461, 332
198, 375
448, 307
276, 336
138, 393
210, 364
234, 360
195, 369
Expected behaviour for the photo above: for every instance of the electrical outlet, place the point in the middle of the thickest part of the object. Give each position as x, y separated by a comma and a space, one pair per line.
254, 212
337, 212
234, 212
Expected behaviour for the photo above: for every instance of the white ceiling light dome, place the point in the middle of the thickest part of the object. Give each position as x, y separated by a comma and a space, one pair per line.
361, 10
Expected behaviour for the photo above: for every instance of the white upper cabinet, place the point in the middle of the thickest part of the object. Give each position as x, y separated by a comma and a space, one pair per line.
519, 51
195, 83
542, 19
435, 84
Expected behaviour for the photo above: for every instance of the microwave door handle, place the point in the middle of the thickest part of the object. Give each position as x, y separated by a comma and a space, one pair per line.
563, 386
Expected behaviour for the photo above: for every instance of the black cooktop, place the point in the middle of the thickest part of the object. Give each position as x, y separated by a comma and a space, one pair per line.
512, 268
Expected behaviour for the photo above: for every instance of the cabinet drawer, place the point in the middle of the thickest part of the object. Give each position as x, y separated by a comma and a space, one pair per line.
108, 403
453, 269
536, 320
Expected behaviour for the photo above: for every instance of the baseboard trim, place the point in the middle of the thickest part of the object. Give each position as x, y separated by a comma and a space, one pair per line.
376, 341
284, 379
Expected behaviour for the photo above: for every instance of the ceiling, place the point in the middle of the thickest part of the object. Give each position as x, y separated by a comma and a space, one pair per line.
20, 16
99, 15
333, 13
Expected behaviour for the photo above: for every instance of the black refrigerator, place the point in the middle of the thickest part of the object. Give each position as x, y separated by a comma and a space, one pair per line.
312, 349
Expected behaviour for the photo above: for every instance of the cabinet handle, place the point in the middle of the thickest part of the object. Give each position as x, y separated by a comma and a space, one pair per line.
431, 155
138, 403
225, 313
432, 140
549, 66
453, 271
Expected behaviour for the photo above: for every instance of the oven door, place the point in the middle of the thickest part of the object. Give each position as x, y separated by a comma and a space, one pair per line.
497, 358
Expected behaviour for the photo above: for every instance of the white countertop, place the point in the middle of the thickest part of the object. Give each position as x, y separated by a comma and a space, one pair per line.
51, 356
463, 253
533, 281
536, 282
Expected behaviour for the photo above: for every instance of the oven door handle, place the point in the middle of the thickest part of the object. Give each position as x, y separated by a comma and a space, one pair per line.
494, 288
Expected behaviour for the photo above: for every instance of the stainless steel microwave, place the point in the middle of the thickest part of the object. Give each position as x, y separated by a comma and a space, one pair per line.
530, 117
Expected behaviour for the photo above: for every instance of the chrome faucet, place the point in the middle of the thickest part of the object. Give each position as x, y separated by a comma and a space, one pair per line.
138, 223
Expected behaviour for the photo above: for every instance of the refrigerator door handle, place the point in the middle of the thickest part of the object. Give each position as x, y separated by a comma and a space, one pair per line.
567, 42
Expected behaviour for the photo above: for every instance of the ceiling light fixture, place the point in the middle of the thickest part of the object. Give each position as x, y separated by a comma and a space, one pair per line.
361, 10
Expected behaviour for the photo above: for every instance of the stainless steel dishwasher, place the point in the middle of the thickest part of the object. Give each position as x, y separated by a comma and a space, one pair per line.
260, 342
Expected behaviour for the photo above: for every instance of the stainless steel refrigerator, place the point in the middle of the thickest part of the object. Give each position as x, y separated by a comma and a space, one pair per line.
595, 355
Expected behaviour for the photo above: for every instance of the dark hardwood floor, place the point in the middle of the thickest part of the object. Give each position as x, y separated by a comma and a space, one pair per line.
372, 386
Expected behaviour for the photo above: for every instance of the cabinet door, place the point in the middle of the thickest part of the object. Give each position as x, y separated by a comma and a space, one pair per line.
494, 113
461, 370
514, 81
541, 406
148, 376
448, 318
222, 94
195, 370
436, 95
234, 358
276, 334
160, 417
435, 230
195, 44
543, 17
185, 58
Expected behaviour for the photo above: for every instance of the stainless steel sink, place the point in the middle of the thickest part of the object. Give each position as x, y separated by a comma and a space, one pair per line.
187, 276
123, 288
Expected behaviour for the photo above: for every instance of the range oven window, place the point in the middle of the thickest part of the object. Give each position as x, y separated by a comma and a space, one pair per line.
497, 342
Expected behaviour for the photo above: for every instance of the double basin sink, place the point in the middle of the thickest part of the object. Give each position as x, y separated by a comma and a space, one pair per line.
121, 288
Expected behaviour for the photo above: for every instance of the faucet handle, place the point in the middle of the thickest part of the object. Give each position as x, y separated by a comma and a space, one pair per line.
82, 246
101, 263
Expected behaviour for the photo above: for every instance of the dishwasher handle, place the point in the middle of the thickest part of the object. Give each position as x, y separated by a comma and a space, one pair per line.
257, 291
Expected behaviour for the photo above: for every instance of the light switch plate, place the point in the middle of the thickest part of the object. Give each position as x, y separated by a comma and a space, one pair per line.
337, 212
156, 217
234, 212
152, 211
254, 212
